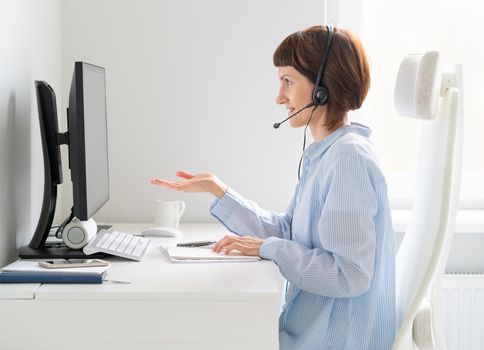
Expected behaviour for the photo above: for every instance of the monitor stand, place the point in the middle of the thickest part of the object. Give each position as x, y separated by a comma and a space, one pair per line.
58, 250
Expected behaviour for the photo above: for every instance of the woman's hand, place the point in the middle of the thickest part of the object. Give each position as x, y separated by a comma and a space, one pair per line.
203, 182
246, 245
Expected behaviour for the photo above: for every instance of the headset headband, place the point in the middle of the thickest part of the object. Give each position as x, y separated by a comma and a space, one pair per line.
320, 93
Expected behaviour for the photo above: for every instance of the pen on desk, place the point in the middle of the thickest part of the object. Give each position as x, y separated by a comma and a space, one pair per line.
196, 244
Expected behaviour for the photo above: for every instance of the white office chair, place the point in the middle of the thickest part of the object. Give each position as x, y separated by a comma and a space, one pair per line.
421, 92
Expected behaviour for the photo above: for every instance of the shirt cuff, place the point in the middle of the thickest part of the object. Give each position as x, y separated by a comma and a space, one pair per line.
269, 249
223, 208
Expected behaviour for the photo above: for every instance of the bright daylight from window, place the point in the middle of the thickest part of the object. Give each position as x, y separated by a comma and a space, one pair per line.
390, 30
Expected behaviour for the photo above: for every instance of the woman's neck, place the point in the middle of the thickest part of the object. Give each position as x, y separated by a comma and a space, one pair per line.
319, 131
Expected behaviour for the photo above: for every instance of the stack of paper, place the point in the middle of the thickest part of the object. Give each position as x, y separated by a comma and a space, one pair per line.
29, 271
197, 254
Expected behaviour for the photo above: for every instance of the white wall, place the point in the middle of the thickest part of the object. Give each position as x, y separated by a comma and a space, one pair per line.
30, 50
190, 85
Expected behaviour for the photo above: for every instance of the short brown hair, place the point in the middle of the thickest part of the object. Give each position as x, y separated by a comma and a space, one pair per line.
347, 72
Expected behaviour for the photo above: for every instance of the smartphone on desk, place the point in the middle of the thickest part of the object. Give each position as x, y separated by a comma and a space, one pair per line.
59, 264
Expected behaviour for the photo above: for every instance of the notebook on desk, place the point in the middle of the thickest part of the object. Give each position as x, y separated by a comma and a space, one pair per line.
29, 271
200, 254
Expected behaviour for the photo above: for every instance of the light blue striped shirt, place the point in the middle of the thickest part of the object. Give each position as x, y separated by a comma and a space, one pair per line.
340, 262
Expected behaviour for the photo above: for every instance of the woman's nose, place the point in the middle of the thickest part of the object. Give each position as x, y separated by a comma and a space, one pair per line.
281, 98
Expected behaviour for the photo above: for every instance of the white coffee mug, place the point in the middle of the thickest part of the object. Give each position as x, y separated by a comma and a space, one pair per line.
168, 213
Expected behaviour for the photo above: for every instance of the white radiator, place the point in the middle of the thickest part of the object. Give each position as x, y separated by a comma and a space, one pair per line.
463, 311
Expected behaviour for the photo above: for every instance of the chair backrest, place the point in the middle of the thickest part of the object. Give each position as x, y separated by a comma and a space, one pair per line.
425, 246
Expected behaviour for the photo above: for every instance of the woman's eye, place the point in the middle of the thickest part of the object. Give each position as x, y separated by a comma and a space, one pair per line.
288, 82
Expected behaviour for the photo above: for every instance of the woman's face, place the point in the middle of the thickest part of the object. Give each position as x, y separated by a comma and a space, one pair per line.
295, 92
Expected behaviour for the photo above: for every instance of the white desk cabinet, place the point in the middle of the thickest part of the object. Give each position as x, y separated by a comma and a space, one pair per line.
167, 306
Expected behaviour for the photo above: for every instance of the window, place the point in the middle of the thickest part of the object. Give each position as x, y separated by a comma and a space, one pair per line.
389, 31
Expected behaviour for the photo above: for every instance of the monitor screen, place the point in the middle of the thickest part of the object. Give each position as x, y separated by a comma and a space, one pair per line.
88, 146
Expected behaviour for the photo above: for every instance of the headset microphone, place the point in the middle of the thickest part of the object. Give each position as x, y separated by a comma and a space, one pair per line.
276, 125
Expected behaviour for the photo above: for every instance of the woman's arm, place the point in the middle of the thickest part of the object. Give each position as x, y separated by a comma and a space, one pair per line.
246, 218
239, 215
343, 265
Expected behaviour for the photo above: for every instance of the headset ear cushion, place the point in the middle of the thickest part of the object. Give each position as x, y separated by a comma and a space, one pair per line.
321, 96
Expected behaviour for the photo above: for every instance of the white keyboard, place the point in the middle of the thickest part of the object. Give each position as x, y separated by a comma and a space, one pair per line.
118, 243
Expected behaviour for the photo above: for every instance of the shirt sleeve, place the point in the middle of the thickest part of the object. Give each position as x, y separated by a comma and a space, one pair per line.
244, 217
343, 265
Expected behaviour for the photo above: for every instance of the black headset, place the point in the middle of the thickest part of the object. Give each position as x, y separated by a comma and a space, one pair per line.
320, 92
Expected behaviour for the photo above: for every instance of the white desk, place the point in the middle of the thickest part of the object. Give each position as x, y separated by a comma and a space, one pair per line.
166, 306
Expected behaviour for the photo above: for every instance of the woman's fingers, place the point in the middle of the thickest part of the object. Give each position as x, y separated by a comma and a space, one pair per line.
245, 249
167, 184
185, 186
236, 246
202, 182
184, 174
172, 184
246, 245
226, 240
161, 182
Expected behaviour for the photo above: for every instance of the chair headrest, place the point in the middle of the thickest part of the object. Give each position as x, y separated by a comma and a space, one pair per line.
417, 88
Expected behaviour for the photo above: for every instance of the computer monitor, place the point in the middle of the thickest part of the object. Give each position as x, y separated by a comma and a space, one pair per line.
88, 146
88, 156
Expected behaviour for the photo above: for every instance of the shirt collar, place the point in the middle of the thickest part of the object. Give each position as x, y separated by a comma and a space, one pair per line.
317, 148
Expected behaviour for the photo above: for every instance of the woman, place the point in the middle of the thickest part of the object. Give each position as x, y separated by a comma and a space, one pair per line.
335, 243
